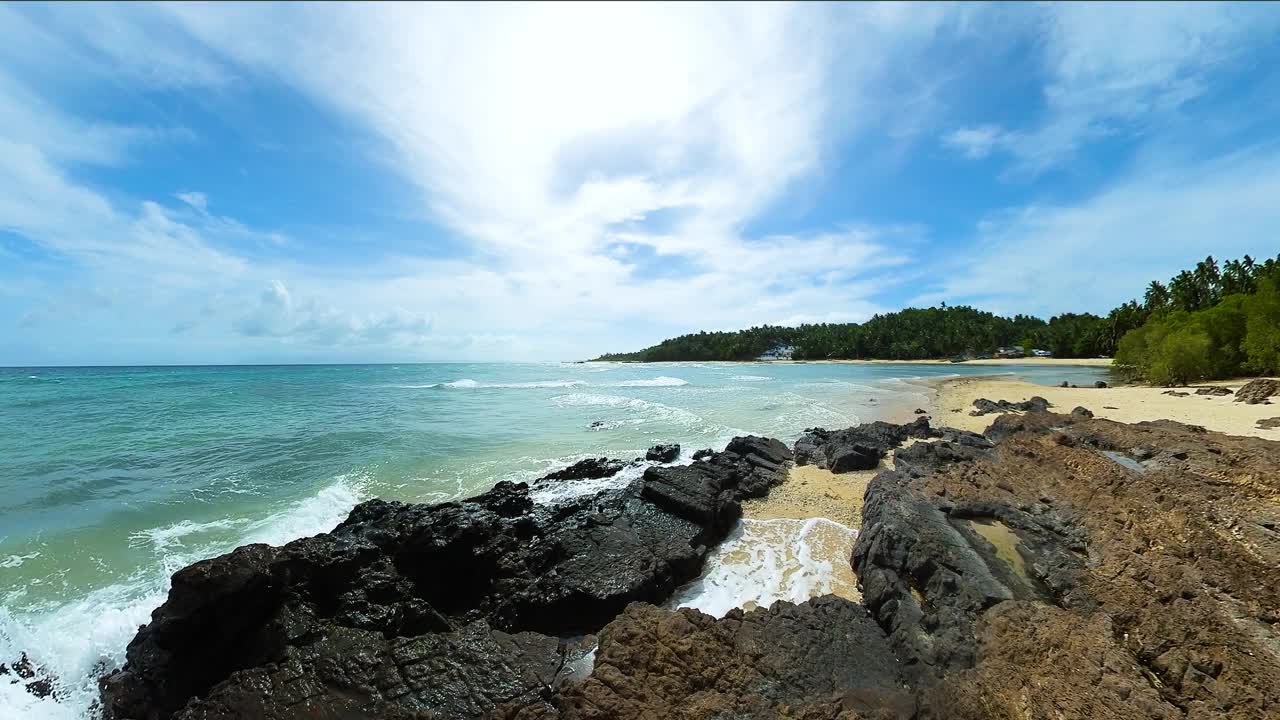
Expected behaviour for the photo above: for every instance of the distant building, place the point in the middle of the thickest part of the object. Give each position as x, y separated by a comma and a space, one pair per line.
777, 352
1013, 351
1042, 353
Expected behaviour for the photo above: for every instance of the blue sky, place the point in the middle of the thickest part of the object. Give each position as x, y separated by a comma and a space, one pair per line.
347, 183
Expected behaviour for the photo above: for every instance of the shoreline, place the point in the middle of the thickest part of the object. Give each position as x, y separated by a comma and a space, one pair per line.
951, 400
1033, 362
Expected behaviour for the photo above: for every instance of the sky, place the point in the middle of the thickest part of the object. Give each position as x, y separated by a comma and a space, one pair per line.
257, 183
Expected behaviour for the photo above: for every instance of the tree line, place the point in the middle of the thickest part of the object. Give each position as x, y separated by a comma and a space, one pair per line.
1207, 322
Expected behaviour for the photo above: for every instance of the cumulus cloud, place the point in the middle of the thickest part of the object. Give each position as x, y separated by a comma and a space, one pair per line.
277, 315
602, 168
1091, 255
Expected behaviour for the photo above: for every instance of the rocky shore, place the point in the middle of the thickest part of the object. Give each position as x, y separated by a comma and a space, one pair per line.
1053, 566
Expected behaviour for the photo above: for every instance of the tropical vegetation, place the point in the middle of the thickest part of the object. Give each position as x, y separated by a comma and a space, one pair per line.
1208, 322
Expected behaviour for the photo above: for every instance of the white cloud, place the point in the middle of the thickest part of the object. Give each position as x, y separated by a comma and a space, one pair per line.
975, 142
600, 163
1118, 68
1094, 254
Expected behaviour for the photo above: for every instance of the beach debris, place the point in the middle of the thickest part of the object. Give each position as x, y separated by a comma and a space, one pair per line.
664, 453
1258, 391
985, 406
1110, 407
1269, 423
1214, 390
920, 411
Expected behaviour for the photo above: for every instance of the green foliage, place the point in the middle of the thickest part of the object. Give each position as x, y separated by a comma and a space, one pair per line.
1211, 325
1208, 322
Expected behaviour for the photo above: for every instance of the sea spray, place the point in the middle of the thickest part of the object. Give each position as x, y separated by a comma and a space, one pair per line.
77, 642
763, 561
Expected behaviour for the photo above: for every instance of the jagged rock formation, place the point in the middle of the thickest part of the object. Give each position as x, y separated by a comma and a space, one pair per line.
984, 406
1055, 566
855, 448
357, 621
663, 453
1258, 391
589, 469
1217, 390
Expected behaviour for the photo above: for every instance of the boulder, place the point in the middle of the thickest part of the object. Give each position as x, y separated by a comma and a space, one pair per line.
1215, 390
1100, 385
856, 448
589, 469
709, 493
663, 453
1258, 391
1081, 412
783, 661
702, 454
1269, 423
920, 411
984, 406
1176, 393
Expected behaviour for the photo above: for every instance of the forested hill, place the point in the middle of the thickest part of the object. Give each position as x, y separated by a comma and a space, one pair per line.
939, 332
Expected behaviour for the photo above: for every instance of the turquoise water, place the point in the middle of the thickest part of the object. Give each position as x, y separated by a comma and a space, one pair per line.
112, 478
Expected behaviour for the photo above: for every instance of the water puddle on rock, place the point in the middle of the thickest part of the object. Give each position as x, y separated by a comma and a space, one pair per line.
1005, 541
763, 561
1125, 461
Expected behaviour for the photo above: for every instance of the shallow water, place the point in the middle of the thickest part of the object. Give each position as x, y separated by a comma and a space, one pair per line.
113, 478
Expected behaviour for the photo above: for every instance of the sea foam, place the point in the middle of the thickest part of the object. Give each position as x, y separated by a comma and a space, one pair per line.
763, 561
76, 642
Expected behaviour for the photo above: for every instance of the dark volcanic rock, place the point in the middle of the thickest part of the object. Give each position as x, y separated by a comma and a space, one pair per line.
921, 411
956, 446
324, 617
1269, 423
704, 453
1081, 412
1214, 390
856, 448
1177, 393
984, 406
1100, 385
663, 453
710, 492
1258, 391
33, 678
928, 575
786, 660
589, 469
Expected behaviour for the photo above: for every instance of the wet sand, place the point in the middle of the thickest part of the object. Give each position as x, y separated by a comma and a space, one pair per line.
812, 492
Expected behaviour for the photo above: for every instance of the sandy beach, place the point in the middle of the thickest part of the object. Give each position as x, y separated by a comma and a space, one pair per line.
1071, 362
953, 399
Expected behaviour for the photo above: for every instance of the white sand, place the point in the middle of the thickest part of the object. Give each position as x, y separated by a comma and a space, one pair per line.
953, 399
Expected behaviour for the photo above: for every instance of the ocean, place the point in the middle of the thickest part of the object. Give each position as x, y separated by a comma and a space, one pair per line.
113, 478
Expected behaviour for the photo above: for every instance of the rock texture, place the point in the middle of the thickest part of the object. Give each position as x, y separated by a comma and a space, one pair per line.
855, 448
406, 609
983, 406
1258, 391
589, 469
787, 660
1148, 588
1217, 390
1054, 566
663, 453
